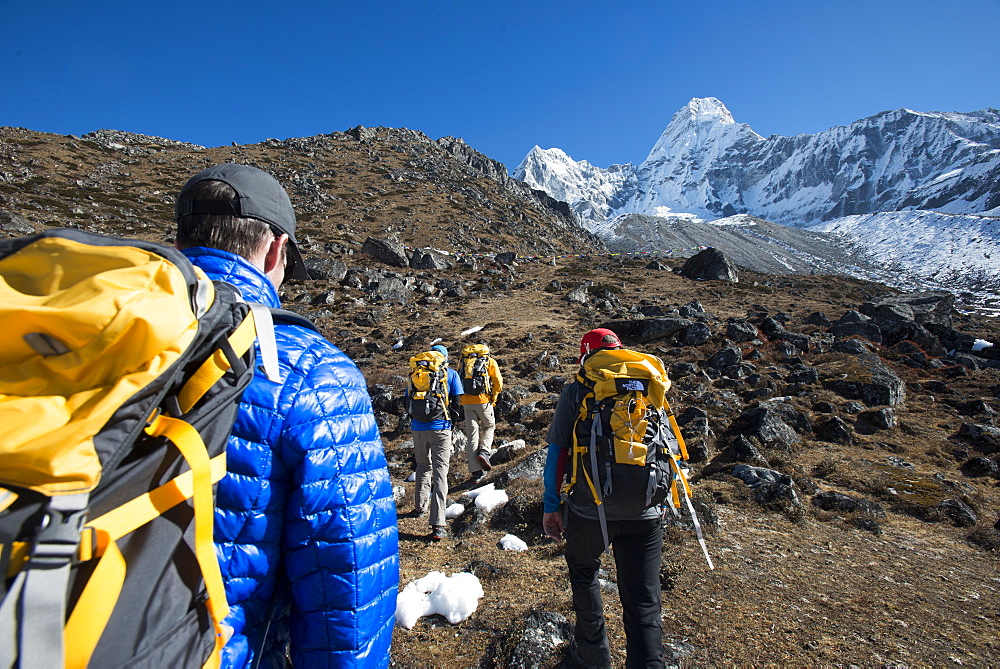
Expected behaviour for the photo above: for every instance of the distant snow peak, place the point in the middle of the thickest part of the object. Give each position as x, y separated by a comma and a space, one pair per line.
707, 166
704, 110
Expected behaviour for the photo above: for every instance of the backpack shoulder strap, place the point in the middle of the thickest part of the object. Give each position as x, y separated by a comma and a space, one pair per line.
265, 317
292, 318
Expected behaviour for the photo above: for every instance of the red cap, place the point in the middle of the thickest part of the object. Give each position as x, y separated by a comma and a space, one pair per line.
599, 338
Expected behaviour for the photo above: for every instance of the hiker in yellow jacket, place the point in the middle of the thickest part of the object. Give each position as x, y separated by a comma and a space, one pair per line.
482, 383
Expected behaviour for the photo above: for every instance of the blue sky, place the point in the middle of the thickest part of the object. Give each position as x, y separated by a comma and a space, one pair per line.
598, 79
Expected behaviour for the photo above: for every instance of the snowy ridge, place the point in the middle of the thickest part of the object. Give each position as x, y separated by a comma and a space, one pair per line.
946, 248
590, 190
915, 190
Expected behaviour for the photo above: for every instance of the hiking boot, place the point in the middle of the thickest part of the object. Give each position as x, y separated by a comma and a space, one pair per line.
438, 533
484, 462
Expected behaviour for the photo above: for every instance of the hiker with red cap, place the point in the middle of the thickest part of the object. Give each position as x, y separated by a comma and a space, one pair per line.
593, 516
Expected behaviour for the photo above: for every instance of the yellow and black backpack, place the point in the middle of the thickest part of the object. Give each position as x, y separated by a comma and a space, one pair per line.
427, 395
627, 446
121, 369
474, 366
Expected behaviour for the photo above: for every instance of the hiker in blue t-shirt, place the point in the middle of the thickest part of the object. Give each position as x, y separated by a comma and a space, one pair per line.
432, 449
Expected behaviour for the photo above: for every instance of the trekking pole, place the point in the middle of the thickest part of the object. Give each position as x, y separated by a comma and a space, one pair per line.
694, 516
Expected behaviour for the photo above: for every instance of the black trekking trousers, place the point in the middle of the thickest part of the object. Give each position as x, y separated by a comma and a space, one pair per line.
637, 546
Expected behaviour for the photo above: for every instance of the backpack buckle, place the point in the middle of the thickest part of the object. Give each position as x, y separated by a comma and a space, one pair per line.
59, 535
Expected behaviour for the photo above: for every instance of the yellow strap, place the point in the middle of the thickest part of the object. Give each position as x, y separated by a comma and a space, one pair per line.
19, 551
93, 609
191, 446
97, 601
676, 430
126, 518
680, 475
137, 512
216, 365
675, 497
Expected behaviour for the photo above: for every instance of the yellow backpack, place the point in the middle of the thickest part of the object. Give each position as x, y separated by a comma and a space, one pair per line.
427, 395
627, 446
121, 369
475, 365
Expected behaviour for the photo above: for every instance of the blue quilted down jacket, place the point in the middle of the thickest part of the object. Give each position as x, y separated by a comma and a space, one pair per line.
305, 523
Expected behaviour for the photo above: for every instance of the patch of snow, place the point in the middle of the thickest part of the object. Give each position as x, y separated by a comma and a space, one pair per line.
980, 344
455, 597
511, 543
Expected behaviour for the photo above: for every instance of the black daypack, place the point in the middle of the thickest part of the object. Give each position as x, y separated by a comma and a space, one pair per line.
121, 370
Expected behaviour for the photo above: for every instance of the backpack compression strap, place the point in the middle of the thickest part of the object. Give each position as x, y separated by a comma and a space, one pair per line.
97, 601
34, 607
578, 453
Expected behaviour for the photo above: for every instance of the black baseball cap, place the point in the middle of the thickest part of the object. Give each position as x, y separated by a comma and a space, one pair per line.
259, 195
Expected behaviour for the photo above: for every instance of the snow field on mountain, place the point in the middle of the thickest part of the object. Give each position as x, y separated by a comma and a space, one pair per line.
932, 244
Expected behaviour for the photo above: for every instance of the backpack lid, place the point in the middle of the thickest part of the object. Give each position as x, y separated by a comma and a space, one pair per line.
85, 328
607, 372
429, 359
480, 350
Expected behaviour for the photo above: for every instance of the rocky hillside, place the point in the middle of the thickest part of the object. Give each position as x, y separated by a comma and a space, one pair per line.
396, 183
845, 443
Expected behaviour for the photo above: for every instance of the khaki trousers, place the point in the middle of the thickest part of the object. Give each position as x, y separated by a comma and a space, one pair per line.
432, 450
480, 425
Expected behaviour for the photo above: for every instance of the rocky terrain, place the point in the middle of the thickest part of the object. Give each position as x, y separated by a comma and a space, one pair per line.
844, 438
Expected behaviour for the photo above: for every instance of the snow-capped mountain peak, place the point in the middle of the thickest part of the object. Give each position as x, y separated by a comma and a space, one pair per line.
703, 110
707, 165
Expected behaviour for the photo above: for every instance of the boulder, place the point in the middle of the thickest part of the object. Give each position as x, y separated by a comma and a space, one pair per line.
835, 430
921, 308
866, 329
541, 642
837, 501
980, 466
818, 318
506, 257
325, 269
578, 296
695, 334
14, 224
875, 420
387, 251
766, 425
871, 381
643, 330
771, 489
529, 467
429, 259
726, 357
740, 331
391, 289
710, 264
985, 438
958, 512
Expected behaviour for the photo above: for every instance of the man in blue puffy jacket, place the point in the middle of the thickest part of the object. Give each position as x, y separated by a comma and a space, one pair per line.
305, 524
